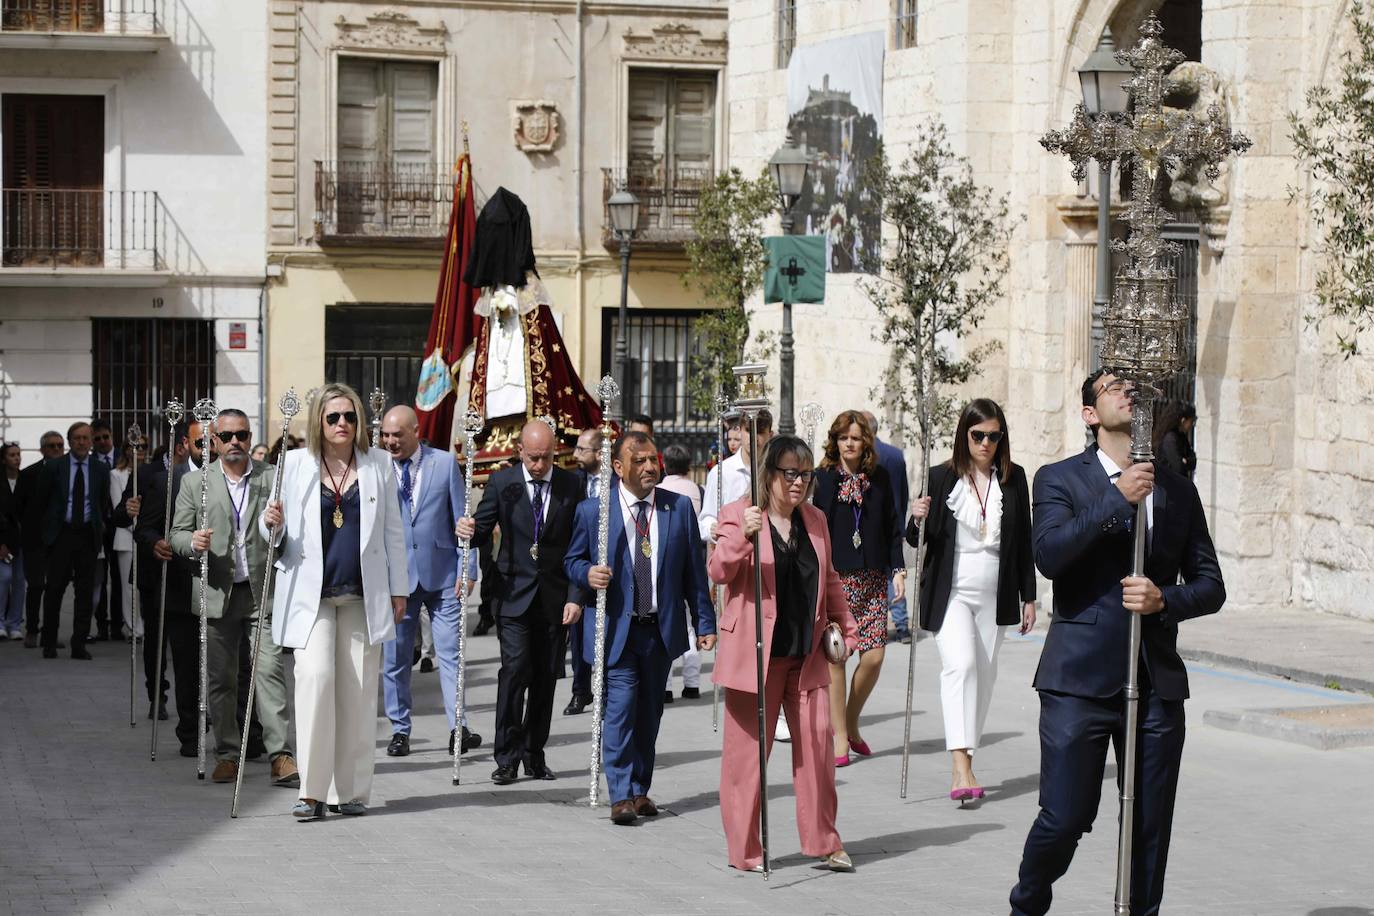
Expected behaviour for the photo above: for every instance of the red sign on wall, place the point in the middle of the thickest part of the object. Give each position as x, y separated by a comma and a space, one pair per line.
238, 335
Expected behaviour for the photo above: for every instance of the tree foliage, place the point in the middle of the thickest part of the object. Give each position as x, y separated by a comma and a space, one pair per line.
726, 261
944, 264
1334, 138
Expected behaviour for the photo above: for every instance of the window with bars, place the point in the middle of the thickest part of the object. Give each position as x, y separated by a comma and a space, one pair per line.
376, 346
661, 345
904, 24
141, 363
787, 30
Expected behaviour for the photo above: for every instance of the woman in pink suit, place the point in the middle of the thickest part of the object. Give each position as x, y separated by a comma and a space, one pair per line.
801, 595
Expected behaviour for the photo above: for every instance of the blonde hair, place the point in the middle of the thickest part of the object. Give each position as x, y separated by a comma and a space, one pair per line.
314, 436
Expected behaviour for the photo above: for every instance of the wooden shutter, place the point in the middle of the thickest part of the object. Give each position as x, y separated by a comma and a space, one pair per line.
648, 128
412, 204
54, 164
694, 134
360, 104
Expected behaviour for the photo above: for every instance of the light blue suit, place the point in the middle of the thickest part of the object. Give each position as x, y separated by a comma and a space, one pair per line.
433, 556
639, 656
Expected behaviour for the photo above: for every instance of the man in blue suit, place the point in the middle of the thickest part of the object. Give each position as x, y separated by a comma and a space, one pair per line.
657, 572
432, 493
74, 493
1084, 516
891, 459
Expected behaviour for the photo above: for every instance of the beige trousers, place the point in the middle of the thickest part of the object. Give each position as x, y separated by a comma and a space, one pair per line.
336, 704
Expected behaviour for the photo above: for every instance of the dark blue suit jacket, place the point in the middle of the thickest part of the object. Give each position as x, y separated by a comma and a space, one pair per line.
891, 459
433, 554
55, 486
681, 575
1083, 546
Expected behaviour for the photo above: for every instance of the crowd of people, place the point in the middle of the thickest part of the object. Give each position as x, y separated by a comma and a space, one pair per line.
368, 542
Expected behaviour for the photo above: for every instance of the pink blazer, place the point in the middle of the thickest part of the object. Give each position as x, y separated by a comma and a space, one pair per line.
731, 565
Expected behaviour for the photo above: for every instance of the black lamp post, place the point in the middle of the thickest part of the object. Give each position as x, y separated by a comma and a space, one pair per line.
789, 166
1105, 94
624, 209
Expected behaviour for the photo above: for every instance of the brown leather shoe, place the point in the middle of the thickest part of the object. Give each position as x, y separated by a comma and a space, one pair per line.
623, 813
645, 807
284, 772
225, 771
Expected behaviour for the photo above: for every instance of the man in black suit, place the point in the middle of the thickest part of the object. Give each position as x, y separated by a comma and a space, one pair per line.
533, 502
1084, 515
181, 640
587, 453
74, 493
30, 512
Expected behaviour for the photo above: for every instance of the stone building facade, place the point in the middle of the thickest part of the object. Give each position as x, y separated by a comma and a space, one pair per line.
1285, 435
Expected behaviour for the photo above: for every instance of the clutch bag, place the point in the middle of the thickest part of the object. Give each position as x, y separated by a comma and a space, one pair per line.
832, 643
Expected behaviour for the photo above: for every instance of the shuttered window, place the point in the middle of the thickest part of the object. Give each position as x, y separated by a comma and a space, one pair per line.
53, 15
672, 139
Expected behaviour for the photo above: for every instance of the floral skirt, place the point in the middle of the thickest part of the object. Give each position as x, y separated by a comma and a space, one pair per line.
866, 592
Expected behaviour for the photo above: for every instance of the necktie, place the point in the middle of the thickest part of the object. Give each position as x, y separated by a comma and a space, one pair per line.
538, 508
644, 576
79, 494
405, 481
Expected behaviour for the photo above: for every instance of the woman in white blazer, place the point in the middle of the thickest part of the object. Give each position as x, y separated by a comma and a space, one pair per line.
341, 586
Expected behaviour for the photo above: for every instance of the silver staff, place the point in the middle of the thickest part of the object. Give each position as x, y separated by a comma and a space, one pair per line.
289, 405
377, 400
173, 412
204, 412
134, 440
722, 452
607, 390
811, 415
472, 425
749, 384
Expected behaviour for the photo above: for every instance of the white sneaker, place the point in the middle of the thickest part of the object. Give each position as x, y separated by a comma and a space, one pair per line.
781, 733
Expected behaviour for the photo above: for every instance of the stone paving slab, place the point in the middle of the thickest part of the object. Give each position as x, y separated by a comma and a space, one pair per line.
1305, 725
1312, 648
89, 824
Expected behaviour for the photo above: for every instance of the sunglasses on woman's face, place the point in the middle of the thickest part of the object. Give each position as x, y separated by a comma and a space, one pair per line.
227, 436
349, 416
978, 436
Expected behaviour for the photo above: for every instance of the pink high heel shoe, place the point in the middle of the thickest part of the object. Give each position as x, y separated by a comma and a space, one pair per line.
860, 747
960, 795
842, 760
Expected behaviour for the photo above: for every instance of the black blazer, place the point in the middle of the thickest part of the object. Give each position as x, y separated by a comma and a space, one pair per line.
521, 581
1015, 569
53, 487
879, 528
9, 514
1082, 544
151, 527
28, 508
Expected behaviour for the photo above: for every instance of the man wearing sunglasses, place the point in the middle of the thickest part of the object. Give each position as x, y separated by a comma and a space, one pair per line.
1085, 511
237, 493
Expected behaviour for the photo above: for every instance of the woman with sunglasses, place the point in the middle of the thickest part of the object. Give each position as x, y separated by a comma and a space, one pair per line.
979, 574
801, 596
341, 587
855, 494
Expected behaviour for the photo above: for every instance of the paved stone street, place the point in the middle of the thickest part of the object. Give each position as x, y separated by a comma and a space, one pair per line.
90, 825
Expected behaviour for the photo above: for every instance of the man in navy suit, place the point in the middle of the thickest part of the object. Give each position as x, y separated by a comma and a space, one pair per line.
74, 493
891, 459
1084, 515
432, 495
658, 572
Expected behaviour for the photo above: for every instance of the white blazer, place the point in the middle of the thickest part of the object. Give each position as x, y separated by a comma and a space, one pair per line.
300, 565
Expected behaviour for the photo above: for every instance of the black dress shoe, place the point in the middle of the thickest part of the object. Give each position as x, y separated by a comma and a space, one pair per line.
576, 705
399, 746
691, 693
49, 653
483, 627
470, 740
667, 696
426, 665
539, 771
190, 750
504, 775
82, 655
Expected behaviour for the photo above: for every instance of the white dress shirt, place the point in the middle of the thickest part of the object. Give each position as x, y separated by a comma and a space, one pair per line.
1113, 472
238, 496
529, 490
627, 512
735, 484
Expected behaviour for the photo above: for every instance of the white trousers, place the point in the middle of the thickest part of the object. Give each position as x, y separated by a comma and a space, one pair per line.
336, 704
968, 642
689, 661
125, 558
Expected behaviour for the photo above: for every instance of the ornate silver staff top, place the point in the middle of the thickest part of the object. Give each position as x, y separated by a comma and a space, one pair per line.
811, 415
377, 401
549, 422
289, 404
134, 438
607, 391
749, 384
173, 412
472, 425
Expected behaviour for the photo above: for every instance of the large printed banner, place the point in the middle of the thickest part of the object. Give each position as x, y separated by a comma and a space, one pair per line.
835, 111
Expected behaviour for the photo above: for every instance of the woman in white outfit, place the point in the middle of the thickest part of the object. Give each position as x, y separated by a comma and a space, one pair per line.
979, 574
341, 586
123, 546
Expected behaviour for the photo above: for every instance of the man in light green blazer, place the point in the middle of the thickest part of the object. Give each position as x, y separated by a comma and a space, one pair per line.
238, 491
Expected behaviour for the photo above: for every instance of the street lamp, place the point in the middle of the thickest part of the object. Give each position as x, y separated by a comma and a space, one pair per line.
624, 208
789, 166
1105, 94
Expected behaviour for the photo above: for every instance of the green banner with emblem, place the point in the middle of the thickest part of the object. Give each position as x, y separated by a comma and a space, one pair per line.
796, 269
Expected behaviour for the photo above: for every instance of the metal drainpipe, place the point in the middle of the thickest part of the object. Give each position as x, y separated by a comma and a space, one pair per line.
579, 196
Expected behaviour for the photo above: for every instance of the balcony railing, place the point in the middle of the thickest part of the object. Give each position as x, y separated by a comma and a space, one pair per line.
107, 17
365, 201
666, 205
57, 228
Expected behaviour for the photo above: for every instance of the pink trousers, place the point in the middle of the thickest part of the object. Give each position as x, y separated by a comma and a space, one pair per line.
813, 765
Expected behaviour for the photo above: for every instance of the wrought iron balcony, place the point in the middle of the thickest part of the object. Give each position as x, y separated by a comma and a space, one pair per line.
54, 228
666, 207
81, 23
367, 201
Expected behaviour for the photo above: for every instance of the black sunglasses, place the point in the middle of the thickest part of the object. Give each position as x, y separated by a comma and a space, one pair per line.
242, 435
978, 436
349, 416
792, 475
